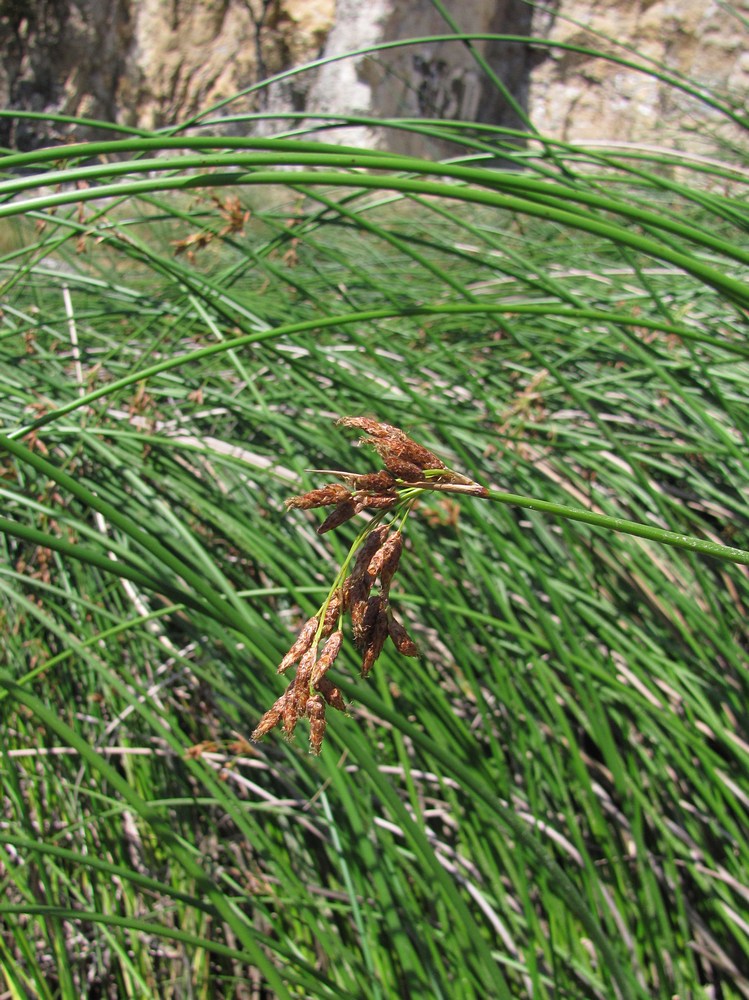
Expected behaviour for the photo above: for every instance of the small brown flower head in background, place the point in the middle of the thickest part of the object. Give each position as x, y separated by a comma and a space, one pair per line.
410, 469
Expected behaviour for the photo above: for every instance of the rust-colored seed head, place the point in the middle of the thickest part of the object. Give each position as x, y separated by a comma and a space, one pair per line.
316, 715
395, 447
377, 502
421, 456
403, 449
362, 627
367, 549
374, 482
402, 640
304, 671
372, 427
385, 561
291, 713
375, 641
377, 558
270, 720
403, 469
300, 645
340, 514
298, 694
326, 660
360, 590
331, 694
324, 497
332, 613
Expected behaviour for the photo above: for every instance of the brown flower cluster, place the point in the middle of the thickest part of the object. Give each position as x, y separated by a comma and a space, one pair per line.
321, 637
409, 468
406, 464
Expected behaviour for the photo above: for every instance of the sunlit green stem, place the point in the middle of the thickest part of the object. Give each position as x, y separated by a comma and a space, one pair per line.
649, 531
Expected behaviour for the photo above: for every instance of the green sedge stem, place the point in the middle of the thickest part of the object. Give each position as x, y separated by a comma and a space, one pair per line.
662, 535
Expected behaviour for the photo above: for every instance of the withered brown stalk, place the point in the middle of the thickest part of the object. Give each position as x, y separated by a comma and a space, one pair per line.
361, 589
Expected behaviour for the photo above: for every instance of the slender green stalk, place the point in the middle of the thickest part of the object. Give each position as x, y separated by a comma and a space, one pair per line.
701, 545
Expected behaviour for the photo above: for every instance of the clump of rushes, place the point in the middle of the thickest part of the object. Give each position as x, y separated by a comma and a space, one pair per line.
375, 555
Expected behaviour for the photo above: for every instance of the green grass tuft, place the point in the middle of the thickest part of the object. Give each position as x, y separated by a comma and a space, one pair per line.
552, 801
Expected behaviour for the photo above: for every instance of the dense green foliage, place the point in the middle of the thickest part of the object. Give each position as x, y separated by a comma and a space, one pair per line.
553, 800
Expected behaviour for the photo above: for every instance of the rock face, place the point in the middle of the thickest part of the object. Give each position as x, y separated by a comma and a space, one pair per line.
151, 63
430, 80
577, 97
146, 63
60, 57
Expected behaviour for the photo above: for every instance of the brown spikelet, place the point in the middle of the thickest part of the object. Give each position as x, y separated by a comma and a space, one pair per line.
362, 626
403, 449
316, 715
344, 511
241, 747
401, 639
331, 694
300, 645
292, 711
361, 587
327, 658
367, 549
298, 692
332, 612
376, 559
270, 720
372, 427
378, 502
301, 682
408, 471
385, 561
374, 482
324, 497
421, 456
375, 641
386, 438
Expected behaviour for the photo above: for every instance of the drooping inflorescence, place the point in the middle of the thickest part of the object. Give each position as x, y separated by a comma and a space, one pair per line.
361, 591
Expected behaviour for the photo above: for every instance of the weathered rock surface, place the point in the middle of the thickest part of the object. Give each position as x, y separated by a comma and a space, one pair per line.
431, 80
146, 63
152, 63
577, 97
